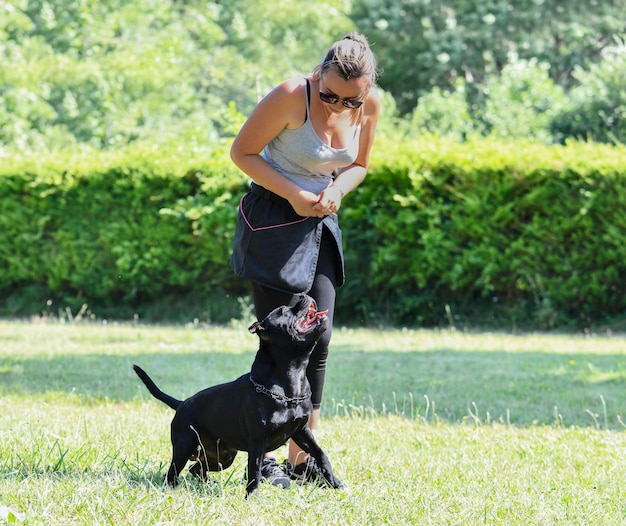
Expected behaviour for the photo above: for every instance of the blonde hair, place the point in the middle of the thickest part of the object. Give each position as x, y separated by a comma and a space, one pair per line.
352, 58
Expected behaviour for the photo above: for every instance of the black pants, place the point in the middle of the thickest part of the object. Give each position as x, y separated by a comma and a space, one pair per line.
323, 292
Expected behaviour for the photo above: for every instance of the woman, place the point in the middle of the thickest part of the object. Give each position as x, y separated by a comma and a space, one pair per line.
315, 135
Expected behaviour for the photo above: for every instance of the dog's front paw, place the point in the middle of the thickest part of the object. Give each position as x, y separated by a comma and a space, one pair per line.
252, 488
335, 483
252, 494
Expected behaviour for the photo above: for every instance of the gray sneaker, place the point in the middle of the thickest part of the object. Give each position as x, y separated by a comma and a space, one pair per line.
307, 472
273, 472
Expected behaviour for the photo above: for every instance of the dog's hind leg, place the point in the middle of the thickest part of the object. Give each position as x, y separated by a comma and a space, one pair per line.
214, 459
183, 449
200, 469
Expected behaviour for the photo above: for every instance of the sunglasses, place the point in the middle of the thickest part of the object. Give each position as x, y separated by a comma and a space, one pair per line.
352, 104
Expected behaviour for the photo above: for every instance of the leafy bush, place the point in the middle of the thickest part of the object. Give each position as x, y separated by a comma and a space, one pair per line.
498, 231
488, 231
121, 229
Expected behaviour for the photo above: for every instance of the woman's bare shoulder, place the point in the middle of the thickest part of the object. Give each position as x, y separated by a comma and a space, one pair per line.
288, 98
290, 88
373, 98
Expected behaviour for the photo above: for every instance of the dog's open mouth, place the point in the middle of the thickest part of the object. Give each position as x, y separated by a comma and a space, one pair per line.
312, 318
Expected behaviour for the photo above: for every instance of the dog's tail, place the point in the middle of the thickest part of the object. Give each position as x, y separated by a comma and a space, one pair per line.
155, 391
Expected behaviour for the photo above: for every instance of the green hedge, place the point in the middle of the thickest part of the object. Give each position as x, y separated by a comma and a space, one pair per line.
485, 232
500, 232
118, 232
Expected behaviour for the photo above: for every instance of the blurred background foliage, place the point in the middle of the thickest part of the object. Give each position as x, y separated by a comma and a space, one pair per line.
489, 196
109, 73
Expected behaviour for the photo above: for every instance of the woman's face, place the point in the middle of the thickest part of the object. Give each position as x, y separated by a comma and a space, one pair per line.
341, 94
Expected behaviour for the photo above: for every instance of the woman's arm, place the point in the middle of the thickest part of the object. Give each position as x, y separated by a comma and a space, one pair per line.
352, 176
283, 107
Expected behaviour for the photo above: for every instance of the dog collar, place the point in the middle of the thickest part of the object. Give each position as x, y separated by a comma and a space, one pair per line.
277, 396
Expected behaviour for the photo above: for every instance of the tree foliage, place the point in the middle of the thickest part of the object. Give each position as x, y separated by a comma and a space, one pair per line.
431, 43
110, 73
596, 108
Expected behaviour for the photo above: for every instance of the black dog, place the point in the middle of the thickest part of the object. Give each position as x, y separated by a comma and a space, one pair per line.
260, 410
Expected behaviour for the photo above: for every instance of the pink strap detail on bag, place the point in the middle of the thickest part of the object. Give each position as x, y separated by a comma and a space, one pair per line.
255, 229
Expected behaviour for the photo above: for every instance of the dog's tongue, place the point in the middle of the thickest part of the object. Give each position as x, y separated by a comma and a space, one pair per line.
312, 317
313, 314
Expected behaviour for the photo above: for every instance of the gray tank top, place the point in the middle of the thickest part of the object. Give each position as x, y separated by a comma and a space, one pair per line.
303, 158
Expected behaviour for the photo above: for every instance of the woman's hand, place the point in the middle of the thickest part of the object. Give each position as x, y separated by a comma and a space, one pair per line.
308, 204
329, 201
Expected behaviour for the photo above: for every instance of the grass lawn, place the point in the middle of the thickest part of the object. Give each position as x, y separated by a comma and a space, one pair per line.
424, 427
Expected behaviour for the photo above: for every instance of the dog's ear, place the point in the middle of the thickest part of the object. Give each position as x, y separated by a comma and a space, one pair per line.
256, 328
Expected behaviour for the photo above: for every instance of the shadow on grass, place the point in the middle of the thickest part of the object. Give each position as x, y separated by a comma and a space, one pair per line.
522, 388
149, 480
